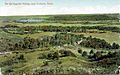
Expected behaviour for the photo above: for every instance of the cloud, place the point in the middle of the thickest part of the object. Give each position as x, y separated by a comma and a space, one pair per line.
48, 10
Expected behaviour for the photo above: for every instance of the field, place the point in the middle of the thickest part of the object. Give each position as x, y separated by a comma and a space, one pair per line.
59, 44
108, 36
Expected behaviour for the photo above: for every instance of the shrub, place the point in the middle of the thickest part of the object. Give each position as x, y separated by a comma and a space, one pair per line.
50, 55
79, 50
56, 55
45, 63
91, 52
43, 56
84, 53
21, 57
115, 46
66, 53
53, 56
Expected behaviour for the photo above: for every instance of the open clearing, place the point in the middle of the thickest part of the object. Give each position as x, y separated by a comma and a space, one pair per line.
108, 36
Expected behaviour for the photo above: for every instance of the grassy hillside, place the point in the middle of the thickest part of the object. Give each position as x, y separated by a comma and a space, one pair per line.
82, 44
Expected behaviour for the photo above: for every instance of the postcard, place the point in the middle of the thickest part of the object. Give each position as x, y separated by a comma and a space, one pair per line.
59, 37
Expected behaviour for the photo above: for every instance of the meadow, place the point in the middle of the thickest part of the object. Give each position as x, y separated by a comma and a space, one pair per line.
59, 44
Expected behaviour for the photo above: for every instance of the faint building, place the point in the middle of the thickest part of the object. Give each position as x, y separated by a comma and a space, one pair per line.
5, 53
24, 74
118, 70
1, 72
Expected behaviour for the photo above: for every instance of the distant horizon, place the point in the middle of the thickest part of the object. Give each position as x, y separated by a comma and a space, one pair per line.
62, 14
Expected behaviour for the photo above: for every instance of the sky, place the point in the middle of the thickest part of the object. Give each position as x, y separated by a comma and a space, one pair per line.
59, 7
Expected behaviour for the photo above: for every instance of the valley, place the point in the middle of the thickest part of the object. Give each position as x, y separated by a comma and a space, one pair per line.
84, 44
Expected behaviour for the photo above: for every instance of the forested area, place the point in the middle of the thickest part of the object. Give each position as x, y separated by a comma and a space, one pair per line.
85, 44
37, 29
60, 39
83, 17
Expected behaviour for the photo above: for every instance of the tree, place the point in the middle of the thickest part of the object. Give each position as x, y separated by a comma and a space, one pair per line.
84, 53
21, 57
45, 63
53, 56
50, 56
16, 47
115, 46
97, 55
79, 50
56, 55
91, 52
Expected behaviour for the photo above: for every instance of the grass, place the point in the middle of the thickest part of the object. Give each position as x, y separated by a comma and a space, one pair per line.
108, 36
33, 62
37, 35
53, 24
9, 36
31, 56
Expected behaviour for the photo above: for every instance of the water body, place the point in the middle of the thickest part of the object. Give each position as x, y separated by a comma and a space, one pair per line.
30, 20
